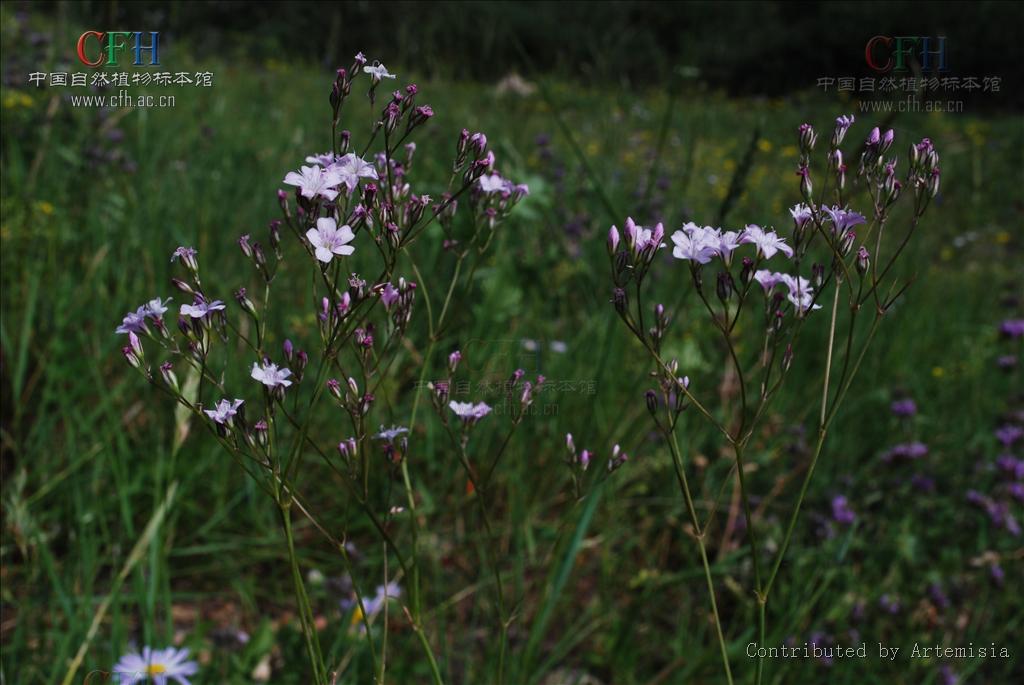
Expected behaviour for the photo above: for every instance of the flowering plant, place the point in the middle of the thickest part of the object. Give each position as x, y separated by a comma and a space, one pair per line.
348, 203
760, 290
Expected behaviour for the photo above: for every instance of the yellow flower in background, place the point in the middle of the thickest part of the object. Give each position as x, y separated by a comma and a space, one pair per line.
729, 165
1003, 237
947, 254
14, 99
764, 145
938, 372
790, 151
44, 207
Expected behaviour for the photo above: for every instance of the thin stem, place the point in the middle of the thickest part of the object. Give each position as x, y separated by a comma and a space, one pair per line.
699, 536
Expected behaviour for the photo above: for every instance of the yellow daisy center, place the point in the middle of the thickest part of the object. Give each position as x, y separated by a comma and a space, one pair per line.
156, 669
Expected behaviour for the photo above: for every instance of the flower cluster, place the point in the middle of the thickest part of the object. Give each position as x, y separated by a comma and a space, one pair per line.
337, 206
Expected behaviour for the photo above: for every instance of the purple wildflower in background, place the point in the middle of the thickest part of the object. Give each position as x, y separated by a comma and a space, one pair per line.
1011, 465
947, 676
907, 450
313, 181
923, 483
390, 434
470, 413
224, 411
768, 242
329, 239
1007, 361
904, 408
1012, 328
841, 511
843, 219
938, 596
160, 665
200, 308
270, 375
890, 605
1009, 434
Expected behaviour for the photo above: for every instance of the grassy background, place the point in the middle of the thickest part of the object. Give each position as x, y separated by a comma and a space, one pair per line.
94, 203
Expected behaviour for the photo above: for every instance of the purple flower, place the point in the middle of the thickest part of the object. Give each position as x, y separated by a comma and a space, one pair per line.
156, 307
843, 219
328, 239
768, 279
947, 676
493, 183
187, 255
923, 483
324, 159
843, 124
695, 243
389, 295
909, 450
390, 434
374, 604
1012, 328
200, 308
1009, 434
160, 665
801, 294
224, 411
729, 241
767, 242
890, 605
271, 376
134, 322
314, 181
350, 168
904, 408
469, 413
841, 511
801, 214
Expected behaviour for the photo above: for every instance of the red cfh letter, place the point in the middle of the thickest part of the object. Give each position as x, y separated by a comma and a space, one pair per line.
869, 56
81, 48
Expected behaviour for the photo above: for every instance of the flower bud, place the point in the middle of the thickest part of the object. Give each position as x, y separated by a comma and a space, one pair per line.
167, 373
863, 260
613, 240
182, 286
723, 286
243, 242
453, 361
334, 387
651, 399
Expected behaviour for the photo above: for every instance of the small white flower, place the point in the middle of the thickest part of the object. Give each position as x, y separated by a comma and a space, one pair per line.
378, 71
159, 665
